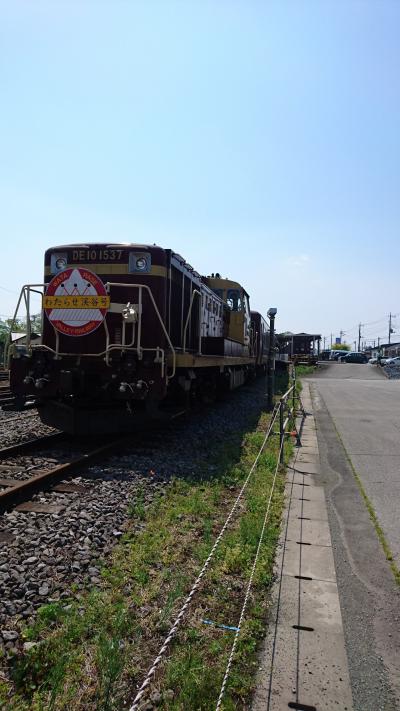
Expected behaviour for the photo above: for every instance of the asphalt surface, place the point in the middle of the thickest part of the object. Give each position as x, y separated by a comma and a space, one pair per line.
365, 407
358, 418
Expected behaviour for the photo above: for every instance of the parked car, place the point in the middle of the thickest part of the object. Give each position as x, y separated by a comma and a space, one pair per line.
355, 357
373, 361
393, 361
337, 354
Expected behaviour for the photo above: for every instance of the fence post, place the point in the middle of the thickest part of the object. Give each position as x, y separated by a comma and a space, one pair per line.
281, 432
294, 394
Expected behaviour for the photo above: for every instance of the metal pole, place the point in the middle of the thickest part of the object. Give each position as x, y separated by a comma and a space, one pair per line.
271, 359
294, 391
281, 432
294, 398
390, 327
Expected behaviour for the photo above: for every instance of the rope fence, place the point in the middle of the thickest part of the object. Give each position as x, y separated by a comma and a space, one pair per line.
277, 413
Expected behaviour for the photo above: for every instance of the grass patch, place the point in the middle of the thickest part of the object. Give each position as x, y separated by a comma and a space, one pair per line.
302, 370
91, 652
372, 514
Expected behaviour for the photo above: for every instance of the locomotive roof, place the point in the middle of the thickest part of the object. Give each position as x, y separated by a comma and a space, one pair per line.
87, 245
219, 282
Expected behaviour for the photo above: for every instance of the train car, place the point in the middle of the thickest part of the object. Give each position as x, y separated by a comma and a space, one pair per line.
260, 338
125, 328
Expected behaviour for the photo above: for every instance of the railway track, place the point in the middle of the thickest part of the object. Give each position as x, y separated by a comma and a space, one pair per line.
7, 399
8, 402
6, 396
63, 504
19, 481
55, 543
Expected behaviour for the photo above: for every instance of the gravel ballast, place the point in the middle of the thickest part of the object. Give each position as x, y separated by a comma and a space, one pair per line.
46, 557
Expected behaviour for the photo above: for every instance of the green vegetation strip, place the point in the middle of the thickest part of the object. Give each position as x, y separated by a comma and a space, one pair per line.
372, 513
302, 370
94, 651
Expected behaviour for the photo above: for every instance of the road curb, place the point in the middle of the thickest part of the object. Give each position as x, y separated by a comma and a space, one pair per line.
303, 664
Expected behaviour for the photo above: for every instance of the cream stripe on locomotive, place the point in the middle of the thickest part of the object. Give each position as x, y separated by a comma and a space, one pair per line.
107, 268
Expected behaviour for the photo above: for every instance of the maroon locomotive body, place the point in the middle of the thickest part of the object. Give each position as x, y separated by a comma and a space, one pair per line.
125, 328
260, 337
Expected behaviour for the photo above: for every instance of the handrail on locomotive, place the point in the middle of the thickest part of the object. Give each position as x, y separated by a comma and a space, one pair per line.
130, 313
195, 292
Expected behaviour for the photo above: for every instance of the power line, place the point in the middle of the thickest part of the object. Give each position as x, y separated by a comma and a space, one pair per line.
10, 291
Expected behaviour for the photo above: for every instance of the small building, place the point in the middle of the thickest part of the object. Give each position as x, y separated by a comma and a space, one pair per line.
388, 350
392, 350
300, 346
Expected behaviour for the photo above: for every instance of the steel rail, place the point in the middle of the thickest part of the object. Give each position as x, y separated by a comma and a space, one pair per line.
15, 449
23, 490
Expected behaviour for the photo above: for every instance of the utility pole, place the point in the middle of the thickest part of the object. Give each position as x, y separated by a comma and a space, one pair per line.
390, 326
359, 335
355, 344
324, 341
379, 338
331, 340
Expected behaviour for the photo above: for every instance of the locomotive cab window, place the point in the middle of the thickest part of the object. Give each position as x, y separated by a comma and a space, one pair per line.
234, 300
139, 262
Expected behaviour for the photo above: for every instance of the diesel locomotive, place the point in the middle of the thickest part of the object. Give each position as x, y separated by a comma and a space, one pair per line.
127, 329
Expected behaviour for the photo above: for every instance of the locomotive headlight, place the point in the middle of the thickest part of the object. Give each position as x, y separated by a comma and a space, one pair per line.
141, 264
61, 263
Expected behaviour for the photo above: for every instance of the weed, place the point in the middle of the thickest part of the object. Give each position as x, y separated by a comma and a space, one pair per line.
110, 660
302, 370
136, 508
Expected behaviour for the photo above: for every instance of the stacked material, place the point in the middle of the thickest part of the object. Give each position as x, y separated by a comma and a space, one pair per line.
392, 371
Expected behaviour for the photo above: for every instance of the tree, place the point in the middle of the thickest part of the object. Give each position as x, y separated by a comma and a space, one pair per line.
340, 347
36, 323
4, 331
18, 326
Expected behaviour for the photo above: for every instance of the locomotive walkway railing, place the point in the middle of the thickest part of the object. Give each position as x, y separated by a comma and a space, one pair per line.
134, 345
25, 296
140, 288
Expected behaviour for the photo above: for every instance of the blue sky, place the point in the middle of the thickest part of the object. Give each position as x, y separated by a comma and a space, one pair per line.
259, 139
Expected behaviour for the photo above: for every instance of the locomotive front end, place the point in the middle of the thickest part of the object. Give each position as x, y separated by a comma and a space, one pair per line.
105, 353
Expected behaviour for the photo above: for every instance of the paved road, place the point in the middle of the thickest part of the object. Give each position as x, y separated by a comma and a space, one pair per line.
365, 407
361, 405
